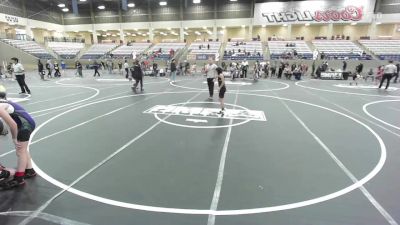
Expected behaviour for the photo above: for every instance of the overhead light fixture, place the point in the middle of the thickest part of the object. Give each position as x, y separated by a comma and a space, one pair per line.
105, 30
285, 25
61, 5
101, 7
196, 1
263, 25
243, 26
377, 23
169, 28
128, 33
163, 3
223, 27
65, 9
114, 35
89, 30
131, 5
135, 29
133, 35
233, 0
307, 24
144, 35
354, 23
104, 35
209, 32
186, 28
396, 3
82, 0
205, 28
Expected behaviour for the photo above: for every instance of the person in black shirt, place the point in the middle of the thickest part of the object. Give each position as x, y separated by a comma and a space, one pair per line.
397, 74
344, 66
41, 69
96, 67
155, 69
78, 67
57, 69
222, 89
137, 74
173, 70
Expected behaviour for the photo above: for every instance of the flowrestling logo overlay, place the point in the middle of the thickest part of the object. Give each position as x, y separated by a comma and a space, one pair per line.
349, 13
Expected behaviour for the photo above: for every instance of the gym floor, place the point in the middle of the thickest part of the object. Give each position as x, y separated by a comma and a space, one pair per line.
286, 152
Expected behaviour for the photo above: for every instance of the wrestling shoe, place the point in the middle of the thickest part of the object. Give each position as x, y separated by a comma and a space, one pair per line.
29, 173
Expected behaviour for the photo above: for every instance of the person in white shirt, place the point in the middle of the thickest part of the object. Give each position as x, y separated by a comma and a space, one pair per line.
19, 73
315, 54
126, 67
388, 72
211, 75
245, 66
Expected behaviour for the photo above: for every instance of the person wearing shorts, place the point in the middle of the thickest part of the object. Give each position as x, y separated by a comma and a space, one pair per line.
222, 89
21, 127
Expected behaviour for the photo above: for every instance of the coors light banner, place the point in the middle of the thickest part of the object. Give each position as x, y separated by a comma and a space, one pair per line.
340, 11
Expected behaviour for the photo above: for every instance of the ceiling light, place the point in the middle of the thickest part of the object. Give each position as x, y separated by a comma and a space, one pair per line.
186, 28
263, 25
61, 5
377, 23
101, 7
353, 24
65, 9
136, 29
131, 5
196, 1
307, 24
169, 28
285, 25
128, 33
114, 35
205, 28
233, 0
82, 0
104, 35
134, 35
243, 26
163, 3
223, 27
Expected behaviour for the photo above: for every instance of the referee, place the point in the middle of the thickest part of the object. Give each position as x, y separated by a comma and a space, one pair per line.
19, 73
211, 75
388, 72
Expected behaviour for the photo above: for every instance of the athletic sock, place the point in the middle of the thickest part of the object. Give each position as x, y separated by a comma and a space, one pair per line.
19, 176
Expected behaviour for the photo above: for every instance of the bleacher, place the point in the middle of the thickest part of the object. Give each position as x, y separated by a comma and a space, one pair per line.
165, 49
340, 49
200, 51
285, 49
384, 49
30, 47
98, 50
127, 50
251, 50
66, 50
